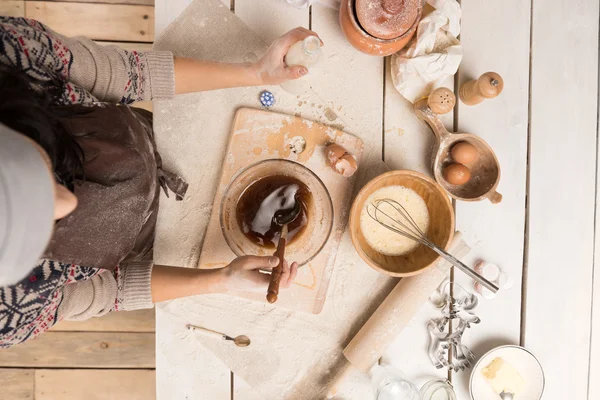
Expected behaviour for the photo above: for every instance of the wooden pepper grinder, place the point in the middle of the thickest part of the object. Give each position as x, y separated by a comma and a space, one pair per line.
487, 86
441, 100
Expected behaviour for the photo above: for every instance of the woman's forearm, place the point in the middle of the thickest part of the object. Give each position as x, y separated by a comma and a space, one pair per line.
242, 274
170, 283
198, 76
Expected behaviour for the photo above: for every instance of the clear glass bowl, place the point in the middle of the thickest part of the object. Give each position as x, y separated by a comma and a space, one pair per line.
390, 384
305, 246
438, 390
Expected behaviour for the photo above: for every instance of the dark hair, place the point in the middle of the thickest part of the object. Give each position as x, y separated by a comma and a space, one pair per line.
31, 107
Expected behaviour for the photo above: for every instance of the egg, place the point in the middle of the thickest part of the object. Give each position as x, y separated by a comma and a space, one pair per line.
346, 165
456, 174
464, 153
340, 160
334, 152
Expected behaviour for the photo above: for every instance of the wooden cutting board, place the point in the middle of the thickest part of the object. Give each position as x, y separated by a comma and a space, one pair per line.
259, 135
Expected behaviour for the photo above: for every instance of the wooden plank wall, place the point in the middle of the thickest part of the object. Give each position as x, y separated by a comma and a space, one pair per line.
562, 198
497, 232
104, 358
111, 357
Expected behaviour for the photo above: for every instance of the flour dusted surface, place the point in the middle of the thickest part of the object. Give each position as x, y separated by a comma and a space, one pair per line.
380, 238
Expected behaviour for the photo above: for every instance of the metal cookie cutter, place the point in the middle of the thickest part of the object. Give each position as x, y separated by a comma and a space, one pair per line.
456, 312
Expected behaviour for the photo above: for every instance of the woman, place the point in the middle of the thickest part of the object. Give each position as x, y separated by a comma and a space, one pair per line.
80, 177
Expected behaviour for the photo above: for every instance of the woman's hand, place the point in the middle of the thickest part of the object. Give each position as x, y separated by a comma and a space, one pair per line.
243, 274
198, 76
271, 69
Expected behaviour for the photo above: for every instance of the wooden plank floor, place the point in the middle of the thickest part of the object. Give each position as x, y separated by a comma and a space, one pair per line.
109, 358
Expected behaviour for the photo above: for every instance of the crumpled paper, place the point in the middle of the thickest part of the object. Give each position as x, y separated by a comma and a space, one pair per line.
433, 55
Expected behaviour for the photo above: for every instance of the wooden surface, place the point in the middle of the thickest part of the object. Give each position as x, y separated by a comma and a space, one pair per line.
112, 22
561, 221
259, 135
83, 350
12, 8
17, 383
542, 234
94, 384
497, 232
137, 2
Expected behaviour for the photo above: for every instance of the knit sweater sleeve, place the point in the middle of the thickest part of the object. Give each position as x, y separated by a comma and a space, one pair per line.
89, 70
110, 73
127, 288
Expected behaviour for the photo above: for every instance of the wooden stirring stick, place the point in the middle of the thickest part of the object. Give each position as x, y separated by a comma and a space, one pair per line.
277, 271
281, 218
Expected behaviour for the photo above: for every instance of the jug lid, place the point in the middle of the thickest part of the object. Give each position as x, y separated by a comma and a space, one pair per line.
387, 19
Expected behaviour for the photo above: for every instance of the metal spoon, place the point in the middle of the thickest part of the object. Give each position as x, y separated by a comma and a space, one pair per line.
281, 218
506, 395
239, 341
284, 217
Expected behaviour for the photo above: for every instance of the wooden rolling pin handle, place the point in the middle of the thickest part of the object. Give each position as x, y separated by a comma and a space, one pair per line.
276, 273
487, 86
339, 379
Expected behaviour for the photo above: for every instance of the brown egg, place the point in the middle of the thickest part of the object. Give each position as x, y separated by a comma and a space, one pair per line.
464, 153
340, 160
346, 165
456, 174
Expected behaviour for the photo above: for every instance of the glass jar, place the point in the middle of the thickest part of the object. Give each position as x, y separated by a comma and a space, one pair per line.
389, 384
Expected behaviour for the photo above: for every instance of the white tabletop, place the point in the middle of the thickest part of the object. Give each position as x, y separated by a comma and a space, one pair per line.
543, 128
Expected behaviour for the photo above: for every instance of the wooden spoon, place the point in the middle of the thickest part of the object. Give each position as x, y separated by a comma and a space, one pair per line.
281, 218
485, 172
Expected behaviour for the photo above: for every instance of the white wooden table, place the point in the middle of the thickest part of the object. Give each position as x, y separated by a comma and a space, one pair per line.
543, 128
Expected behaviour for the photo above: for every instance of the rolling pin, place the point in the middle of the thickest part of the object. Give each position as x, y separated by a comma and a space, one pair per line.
394, 313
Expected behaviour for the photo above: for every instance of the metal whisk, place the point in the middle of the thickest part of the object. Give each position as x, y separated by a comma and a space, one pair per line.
403, 224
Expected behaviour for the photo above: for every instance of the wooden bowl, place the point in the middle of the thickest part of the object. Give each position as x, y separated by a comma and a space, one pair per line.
441, 225
366, 43
485, 171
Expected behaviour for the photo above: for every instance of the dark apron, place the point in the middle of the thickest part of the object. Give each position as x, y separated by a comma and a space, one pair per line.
114, 222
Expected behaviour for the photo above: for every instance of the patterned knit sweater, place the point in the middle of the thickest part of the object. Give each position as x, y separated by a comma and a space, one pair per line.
91, 73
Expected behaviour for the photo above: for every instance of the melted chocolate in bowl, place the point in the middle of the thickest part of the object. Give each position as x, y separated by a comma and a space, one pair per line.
259, 203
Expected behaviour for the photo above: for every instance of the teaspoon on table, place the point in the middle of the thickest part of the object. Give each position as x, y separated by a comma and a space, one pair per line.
281, 218
506, 395
239, 341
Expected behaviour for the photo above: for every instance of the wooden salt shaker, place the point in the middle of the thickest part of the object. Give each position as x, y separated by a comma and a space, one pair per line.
441, 100
487, 86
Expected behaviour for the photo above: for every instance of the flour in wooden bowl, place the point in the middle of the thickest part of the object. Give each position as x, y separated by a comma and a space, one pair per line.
380, 238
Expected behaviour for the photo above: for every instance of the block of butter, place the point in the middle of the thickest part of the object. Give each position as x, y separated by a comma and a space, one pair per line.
502, 377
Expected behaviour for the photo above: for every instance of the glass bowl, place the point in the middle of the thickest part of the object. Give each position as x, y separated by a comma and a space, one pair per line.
305, 246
